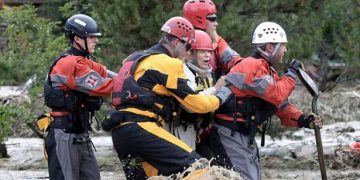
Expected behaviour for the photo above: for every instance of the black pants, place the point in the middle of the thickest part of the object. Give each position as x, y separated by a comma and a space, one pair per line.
163, 151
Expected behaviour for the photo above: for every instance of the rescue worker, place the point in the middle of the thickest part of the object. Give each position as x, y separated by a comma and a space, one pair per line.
198, 70
73, 91
202, 15
160, 74
259, 92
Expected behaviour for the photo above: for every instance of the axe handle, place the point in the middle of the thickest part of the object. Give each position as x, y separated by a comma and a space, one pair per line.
317, 130
320, 153
319, 141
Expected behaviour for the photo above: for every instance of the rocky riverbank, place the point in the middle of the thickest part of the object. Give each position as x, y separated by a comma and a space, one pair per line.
288, 153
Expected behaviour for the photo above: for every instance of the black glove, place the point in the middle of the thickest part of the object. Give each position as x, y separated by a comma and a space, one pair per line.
307, 121
223, 94
294, 66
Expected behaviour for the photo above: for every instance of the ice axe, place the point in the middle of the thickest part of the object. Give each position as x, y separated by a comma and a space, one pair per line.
314, 91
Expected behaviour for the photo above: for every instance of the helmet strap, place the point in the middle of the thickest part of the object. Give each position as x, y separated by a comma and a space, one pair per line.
267, 56
81, 48
175, 51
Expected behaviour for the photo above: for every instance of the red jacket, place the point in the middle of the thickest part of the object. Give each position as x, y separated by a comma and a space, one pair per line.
223, 57
76, 72
255, 78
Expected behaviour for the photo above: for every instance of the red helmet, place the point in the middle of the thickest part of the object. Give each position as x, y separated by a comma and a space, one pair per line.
179, 27
196, 11
202, 41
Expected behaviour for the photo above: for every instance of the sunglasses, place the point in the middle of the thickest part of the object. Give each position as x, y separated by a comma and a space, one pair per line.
212, 19
187, 45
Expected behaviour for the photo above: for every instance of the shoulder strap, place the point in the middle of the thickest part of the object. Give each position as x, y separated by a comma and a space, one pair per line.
138, 56
53, 64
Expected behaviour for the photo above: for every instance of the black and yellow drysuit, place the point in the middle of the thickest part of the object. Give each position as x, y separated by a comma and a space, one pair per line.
140, 133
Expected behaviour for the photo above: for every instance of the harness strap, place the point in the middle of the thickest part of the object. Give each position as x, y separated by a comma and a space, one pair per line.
59, 113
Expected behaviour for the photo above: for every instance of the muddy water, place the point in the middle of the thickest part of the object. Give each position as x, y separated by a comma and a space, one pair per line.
27, 159
291, 157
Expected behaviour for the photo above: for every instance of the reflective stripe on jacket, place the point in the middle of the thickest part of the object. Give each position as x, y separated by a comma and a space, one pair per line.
81, 74
255, 78
223, 57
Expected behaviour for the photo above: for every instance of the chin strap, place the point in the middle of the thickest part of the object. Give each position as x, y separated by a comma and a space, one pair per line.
86, 50
267, 56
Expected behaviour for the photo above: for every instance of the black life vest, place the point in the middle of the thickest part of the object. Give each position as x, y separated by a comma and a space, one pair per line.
127, 92
246, 114
80, 105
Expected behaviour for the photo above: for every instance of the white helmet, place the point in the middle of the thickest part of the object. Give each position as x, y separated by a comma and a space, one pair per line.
269, 32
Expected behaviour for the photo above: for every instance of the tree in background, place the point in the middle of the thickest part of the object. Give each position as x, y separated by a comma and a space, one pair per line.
130, 25
318, 31
31, 45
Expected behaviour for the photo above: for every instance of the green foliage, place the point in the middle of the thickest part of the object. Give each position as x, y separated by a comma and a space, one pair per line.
6, 113
31, 44
238, 20
128, 26
313, 27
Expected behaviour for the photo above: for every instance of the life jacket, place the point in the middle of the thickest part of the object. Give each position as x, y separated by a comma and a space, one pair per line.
245, 115
202, 82
127, 92
78, 106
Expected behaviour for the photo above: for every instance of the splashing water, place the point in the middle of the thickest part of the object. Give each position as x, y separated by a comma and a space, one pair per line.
202, 170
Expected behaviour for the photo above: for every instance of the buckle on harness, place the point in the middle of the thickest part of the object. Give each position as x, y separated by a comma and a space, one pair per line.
81, 140
130, 96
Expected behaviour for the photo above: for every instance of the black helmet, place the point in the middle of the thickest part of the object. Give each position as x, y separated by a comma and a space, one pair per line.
82, 26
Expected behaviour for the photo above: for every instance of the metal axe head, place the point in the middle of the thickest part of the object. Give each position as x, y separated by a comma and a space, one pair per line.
308, 83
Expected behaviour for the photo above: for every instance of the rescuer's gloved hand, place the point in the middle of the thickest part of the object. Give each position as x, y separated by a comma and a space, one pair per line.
294, 66
310, 121
223, 94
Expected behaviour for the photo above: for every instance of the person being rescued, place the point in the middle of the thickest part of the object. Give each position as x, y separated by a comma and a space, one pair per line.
203, 16
149, 86
189, 126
